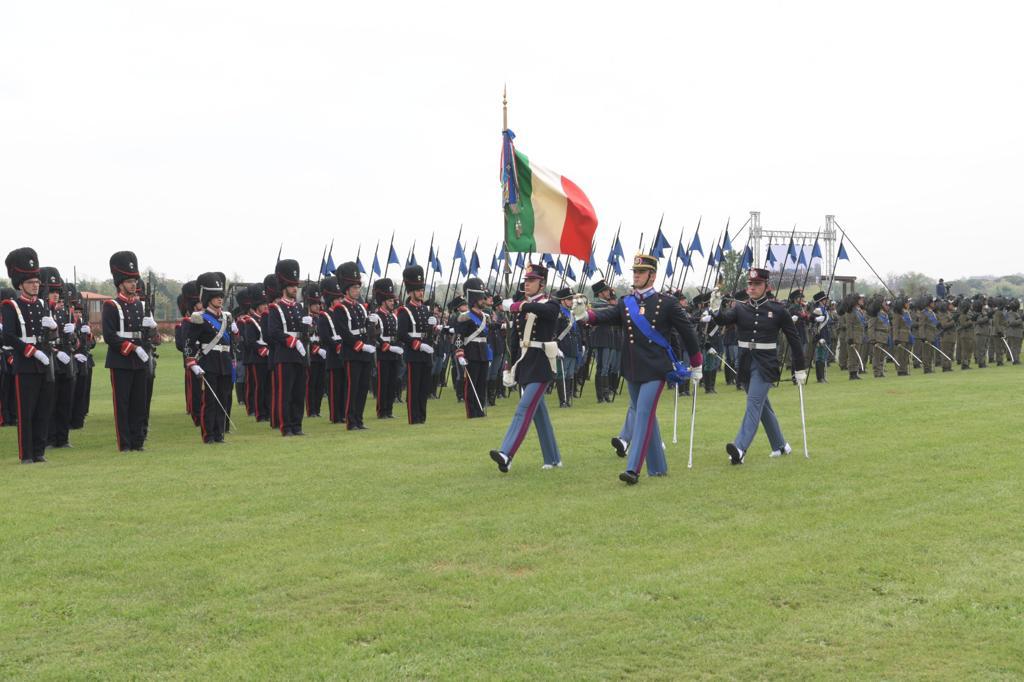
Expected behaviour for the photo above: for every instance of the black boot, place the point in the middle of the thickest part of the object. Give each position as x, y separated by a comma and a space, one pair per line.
819, 372
714, 379
600, 384
854, 376
561, 393
613, 384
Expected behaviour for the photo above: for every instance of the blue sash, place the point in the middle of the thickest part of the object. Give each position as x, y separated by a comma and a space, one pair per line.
679, 372
215, 323
477, 321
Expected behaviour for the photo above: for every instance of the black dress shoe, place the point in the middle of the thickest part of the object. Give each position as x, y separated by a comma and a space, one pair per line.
39, 459
501, 459
361, 427
620, 446
28, 460
139, 448
735, 454
63, 445
629, 477
300, 432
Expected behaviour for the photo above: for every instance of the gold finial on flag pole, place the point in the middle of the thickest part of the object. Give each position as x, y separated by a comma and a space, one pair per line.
504, 107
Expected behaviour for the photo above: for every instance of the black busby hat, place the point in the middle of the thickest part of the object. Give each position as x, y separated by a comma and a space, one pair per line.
71, 293
564, 293
256, 295
7, 293
271, 287
311, 293
456, 302
287, 272
758, 275
330, 289
795, 295
599, 286
819, 297
190, 293
211, 285
536, 271
383, 289
243, 298
123, 266
348, 275
475, 290
182, 308
412, 276
643, 261
701, 299
51, 281
22, 264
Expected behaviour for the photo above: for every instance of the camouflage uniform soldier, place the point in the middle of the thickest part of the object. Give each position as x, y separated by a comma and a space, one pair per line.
965, 338
902, 322
982, 330
856, 336
928, 326
879, 327
1014, 329
947, 328
916, 333
998, 329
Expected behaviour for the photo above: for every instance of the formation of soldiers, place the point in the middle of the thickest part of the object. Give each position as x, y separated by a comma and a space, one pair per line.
282, 348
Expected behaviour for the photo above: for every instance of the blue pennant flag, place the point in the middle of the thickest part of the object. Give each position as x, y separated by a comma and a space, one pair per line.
501, 252
616, 266
548, 260
791, 251
393, 256
695, 244
816, 251
718, 256
727, 243
748, 259
412, 260
842, 253
376, 265
801, 260
616, 253
430, 257
669, 269
462, 268
569, 274
459, 253
474, 265
683, 256
519, 260
359, 264
660, 244
591, 264
494, 263
559, 268
771, 255
328, 268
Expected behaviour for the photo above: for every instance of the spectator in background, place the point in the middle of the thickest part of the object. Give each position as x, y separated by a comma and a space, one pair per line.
940, 289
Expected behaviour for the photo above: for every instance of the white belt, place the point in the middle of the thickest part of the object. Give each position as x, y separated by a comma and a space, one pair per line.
478, 340
28, 339
537, 344
336, 338
130, 335
757, 346
222, 349
294, 335
361, 330
386, 339
415, 335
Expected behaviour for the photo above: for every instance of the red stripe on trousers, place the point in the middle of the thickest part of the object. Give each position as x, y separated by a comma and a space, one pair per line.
348, 392
408, 390
530, 409
650, 428
280, 397
379, 394
331, 398
21, 417
113, 390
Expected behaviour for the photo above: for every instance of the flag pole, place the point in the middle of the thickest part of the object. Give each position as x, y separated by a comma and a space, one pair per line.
376, 248
882, 281
390, 249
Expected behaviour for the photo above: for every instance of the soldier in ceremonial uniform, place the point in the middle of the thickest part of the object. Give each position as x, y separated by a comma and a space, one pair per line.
648, 318
8, 397
328, 324
26, 323
256, 356
284, 331
569, 348
472, 352
242, 314
536, 320
209, 356
64, 342
389, 352
358, 349
271, 294
928, 328
603, 343
83, 358
821, 337
316, 372
415, 324
125, 327
190, 303
879, 328
758, 322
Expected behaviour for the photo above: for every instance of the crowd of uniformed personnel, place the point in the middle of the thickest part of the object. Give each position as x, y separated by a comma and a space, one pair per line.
283, 348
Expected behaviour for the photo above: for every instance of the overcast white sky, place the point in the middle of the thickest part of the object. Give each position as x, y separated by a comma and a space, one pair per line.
201, 135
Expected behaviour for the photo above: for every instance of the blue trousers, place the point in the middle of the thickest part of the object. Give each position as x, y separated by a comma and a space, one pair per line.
759, 410
641, 429
607, 361
531, 407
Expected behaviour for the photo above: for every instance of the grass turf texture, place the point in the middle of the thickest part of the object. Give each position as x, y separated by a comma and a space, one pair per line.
401, 552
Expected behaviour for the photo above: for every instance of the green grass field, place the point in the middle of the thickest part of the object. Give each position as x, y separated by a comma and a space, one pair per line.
400, 552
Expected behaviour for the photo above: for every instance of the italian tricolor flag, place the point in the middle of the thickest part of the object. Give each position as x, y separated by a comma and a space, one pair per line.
552, 214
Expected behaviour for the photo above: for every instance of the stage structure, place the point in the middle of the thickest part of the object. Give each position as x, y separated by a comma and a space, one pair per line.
761, 238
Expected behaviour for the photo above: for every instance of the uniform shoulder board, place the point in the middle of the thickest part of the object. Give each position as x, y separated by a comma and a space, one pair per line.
196, 317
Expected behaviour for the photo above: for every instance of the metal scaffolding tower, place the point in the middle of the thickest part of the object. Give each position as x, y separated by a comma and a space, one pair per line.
826, 239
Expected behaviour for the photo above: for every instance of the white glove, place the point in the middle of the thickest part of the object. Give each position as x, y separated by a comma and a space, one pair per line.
426, 348
42, 357
81, 358
369, 348
800, 376
86, 329
463, 361
696, 373
299, 347
579, 309
821, 342
48, 322
149, 322
559, 353
69, 328
795, 318
507, 303
705, 317
322, 352
819, 318
307, 320
432, 320
234, 328
712, 351
197, 370
373, 318
141, 352
397, 350
64, 358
